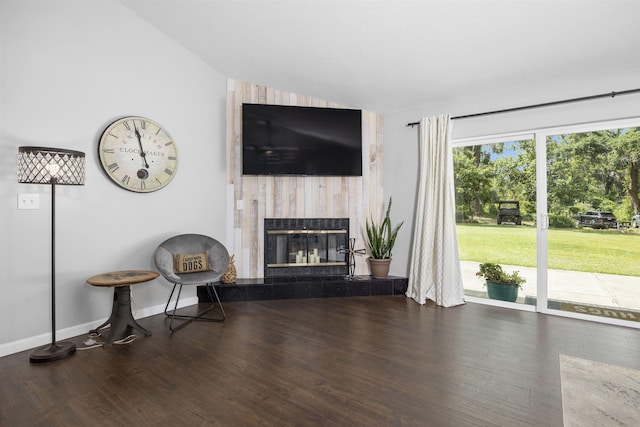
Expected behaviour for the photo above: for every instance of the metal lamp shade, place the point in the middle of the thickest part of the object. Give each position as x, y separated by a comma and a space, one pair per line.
42, 165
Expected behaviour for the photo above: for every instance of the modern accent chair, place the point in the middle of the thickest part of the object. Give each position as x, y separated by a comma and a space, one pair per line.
192, 259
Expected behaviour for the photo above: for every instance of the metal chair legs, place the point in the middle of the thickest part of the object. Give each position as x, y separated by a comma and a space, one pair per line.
200, 316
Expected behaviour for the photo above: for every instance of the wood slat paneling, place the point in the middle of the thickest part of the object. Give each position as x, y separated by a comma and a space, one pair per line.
255, 198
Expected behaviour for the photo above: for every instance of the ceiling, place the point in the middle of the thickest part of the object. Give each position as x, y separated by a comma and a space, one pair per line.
395, 55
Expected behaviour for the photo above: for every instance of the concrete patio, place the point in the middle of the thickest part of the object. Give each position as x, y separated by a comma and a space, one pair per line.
606, 290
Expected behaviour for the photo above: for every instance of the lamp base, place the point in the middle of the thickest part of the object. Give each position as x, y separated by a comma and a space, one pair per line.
51, 352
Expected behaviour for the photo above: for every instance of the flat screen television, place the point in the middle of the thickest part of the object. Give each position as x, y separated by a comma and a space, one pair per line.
292, 140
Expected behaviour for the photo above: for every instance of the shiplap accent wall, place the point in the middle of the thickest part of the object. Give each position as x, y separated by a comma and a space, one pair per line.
250, 199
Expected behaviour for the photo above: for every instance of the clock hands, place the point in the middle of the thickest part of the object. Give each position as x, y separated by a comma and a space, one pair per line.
142, 153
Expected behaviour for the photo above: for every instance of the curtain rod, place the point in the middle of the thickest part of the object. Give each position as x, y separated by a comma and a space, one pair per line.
545, 104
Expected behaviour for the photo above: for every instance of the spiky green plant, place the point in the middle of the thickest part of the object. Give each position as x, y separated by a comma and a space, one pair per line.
381, 238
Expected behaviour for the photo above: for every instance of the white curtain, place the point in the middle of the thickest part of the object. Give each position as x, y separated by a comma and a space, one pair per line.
435, 267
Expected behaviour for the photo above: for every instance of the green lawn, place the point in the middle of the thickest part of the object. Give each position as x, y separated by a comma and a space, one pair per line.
599, 251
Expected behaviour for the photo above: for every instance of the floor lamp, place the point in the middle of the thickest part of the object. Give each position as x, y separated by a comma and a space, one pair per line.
41, 165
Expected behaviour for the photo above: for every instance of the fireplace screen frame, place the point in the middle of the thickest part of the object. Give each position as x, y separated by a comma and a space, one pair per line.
289, 245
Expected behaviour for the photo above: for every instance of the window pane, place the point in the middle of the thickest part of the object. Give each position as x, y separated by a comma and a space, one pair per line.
593, 242
496, 213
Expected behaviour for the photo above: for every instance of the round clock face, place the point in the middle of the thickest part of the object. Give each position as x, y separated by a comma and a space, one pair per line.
138, 154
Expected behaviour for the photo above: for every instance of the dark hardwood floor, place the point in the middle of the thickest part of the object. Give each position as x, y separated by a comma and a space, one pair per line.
360, 361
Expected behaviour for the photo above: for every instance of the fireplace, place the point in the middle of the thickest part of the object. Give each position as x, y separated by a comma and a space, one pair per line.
303, 247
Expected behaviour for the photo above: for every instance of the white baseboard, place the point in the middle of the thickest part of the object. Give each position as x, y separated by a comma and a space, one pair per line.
76, 330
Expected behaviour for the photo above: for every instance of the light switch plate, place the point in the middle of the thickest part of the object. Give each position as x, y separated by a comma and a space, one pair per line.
28, 201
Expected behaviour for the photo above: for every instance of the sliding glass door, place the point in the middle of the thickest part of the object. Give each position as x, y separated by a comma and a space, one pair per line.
573, 227
592, 200
496, 214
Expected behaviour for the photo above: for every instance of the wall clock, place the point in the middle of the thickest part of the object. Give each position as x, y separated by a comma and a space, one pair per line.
138, 154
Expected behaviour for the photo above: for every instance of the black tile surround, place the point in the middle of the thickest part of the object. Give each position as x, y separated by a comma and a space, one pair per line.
306, 287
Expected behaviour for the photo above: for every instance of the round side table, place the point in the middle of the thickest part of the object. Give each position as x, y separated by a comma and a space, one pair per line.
121, 318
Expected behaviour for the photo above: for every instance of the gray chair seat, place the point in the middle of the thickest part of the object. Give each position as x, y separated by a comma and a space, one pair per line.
218, 259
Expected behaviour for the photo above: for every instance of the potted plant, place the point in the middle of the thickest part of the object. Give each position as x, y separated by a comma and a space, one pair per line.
500, 284
380, 240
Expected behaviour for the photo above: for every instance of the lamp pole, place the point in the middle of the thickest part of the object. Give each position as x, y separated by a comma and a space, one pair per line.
53, 260
56, 350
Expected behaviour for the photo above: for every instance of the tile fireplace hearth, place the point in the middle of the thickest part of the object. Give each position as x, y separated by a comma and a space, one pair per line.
306, 287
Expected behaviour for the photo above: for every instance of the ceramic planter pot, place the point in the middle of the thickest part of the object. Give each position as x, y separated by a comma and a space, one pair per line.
379, 267
502, 292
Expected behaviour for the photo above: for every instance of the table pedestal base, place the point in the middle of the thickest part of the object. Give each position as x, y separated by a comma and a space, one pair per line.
121, 320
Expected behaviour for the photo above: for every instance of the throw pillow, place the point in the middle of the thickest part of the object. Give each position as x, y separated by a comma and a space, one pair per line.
190, 263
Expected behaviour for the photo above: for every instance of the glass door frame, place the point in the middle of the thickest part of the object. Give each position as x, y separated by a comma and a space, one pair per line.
542, 218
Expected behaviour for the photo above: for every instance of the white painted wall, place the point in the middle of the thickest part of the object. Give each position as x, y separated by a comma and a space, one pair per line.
68, 69
401, 142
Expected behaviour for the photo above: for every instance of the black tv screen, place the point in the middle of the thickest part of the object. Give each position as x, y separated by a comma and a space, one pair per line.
291, 140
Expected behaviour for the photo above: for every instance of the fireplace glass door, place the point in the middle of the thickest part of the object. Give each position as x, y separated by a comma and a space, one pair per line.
306, 251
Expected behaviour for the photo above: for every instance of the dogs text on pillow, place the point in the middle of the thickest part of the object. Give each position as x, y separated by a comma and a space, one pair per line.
191, 263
